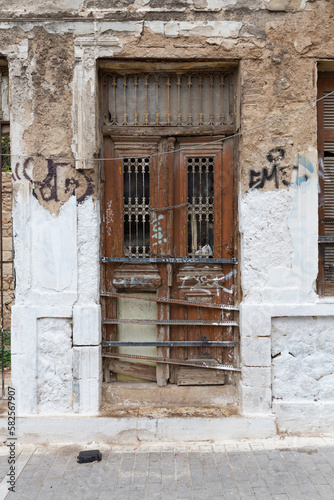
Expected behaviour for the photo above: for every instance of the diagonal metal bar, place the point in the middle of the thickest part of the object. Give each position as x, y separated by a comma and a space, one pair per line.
199, 364
172, 301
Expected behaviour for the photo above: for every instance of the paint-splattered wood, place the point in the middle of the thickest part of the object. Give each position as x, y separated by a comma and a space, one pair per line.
138, 370
199, 376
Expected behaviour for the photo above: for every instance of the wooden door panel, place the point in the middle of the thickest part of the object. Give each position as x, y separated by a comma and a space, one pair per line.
204, 282
183, 225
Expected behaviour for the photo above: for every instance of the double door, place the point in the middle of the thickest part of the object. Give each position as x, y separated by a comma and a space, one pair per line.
169, 242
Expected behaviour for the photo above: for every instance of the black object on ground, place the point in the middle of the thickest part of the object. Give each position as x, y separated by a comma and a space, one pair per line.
89, 456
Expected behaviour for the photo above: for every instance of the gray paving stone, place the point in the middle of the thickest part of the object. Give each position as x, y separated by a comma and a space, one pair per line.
169, 496
137, 495
295, 493
245, 488
201, 494
179, 474
262, 493
325, 491
105, 495
232, 494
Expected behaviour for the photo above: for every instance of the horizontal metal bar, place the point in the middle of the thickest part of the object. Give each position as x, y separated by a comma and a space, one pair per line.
184, 322
168, 260
326, 239
198, 364
170, 343
171, 301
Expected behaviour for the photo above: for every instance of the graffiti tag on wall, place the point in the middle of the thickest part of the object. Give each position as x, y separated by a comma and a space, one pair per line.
54, 182
278, 173
275, 172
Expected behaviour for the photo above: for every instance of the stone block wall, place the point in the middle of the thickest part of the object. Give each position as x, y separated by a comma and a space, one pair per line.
303, 359
303, 373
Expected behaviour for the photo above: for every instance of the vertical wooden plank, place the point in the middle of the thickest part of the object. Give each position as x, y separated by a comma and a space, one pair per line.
162, 371
228, 293
226, 195
180, 197
170, 195
218, 208
161, 239
113, 210
179, 250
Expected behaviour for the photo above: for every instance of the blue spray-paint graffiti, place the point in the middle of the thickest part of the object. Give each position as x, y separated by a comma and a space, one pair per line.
304, 162
157, 233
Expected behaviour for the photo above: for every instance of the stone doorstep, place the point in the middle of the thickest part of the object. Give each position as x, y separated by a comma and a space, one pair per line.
85, 429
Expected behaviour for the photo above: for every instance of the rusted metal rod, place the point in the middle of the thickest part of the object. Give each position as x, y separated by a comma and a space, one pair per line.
168, 260
170, 343
171, 322
172, 301
198, 364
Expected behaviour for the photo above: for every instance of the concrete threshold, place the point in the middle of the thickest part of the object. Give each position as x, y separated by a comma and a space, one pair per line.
85, 429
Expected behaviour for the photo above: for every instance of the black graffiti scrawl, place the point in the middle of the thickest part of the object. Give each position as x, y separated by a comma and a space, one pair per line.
54, 182
273, 172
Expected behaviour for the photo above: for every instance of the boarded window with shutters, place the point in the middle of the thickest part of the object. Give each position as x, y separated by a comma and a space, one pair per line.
326, 182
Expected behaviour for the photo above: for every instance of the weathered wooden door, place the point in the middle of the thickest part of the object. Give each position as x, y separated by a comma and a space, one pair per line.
203, 230
168, 218
169, 235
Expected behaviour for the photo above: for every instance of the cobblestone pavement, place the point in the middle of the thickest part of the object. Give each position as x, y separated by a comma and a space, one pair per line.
291, 468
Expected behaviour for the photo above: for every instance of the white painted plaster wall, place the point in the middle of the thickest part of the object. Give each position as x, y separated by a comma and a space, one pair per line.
53, 247
54, 366
303, 373
303, 359
279, 231
281, 312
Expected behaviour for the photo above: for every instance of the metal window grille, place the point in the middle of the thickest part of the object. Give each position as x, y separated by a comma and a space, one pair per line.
136, 178
200, 207
180, 98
